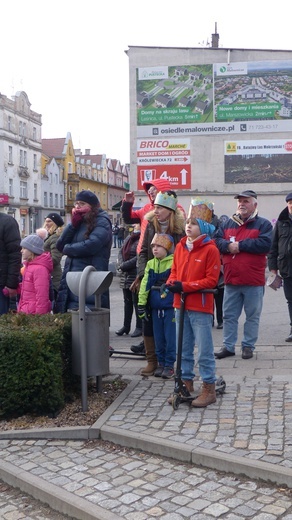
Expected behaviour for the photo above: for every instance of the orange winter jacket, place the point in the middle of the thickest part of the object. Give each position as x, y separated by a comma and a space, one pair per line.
197, 269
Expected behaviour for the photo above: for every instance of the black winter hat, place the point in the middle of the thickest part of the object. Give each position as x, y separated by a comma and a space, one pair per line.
289, 197
56, 218
87, 196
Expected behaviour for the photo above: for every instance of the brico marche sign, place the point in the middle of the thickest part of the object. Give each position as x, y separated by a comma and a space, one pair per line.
164, 159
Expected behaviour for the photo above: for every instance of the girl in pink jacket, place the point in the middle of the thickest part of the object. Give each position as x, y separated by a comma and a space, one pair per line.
36, 277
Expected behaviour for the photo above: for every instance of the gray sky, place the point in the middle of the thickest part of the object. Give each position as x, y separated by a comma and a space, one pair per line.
64, 54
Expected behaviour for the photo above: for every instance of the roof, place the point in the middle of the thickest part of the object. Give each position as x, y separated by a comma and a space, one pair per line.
53, 147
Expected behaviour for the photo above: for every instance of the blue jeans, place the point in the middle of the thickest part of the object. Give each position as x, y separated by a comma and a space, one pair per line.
164, 336
197, 330
236, 298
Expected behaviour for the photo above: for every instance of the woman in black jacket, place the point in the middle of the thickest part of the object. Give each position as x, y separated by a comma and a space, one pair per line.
127, 267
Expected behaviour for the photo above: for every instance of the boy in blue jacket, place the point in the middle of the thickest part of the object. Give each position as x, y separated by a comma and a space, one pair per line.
156, 273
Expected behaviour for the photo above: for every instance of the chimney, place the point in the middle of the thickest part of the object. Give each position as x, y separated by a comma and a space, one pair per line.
215, 38
87, 151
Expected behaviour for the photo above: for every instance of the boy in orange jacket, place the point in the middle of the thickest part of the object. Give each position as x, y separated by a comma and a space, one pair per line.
196, 266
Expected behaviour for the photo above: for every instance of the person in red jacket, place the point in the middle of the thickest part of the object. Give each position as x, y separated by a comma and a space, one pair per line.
244, 242
196, 266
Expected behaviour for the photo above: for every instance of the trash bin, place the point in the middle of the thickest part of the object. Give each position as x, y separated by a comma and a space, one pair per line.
96, 328
90, 329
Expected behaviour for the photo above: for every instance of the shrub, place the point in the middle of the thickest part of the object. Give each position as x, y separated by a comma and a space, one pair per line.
35, 363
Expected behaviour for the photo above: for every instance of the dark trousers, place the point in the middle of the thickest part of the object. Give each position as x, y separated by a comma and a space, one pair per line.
131, 305
4, 302
219, 305
287, 286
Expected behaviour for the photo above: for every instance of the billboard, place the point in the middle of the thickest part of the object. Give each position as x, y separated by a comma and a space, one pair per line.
263, 161
164, 159
214, 98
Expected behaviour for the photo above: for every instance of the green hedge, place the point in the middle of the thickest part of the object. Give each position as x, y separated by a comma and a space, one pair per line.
35, 363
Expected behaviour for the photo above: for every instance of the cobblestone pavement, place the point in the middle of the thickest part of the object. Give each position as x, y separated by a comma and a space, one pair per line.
136, 486
232, 460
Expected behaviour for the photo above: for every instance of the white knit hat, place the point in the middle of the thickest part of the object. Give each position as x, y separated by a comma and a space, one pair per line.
33, 243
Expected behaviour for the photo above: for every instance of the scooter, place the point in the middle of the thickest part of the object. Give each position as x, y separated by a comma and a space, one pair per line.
181, 393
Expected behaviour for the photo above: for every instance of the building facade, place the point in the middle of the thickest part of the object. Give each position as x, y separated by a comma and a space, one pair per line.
20, 161
214, 121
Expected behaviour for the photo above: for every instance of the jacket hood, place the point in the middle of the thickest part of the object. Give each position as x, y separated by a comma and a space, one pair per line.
284, 215
44, 259
159, 184
179, 220
202, 240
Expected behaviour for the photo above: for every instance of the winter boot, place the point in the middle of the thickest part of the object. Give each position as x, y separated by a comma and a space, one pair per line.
150, 356
289, 338
206, 397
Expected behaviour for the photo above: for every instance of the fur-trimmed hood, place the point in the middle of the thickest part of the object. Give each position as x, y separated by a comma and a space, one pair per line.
179, 220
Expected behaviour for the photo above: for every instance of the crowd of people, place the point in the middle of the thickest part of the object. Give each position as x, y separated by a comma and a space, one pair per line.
166, 255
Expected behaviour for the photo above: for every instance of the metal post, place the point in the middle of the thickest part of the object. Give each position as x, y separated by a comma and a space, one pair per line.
82, 335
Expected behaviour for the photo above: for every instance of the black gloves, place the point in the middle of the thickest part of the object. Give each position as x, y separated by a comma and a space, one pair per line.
142, 313
173, 287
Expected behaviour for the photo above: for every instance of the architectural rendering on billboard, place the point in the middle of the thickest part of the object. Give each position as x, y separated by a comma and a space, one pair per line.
263, 161
214, 99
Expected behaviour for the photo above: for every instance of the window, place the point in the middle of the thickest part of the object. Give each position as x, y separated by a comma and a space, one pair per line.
45, 199
56, 200
50, 178
56, 178
9, 123
24, 129
70, 167
10, 157
35, 161
70, 192
11, 188
35, 191
20, 128
61, 201
23, 189
51, 200
23, 158
34, 133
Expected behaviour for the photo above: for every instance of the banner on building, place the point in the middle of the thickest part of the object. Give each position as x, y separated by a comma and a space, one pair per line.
212, 99
263, 161
164, 159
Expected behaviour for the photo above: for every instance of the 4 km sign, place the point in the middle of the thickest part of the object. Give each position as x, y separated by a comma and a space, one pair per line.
164, 159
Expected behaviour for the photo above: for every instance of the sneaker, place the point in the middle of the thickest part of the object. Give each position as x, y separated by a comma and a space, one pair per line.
167, 373
159, 371
247, 353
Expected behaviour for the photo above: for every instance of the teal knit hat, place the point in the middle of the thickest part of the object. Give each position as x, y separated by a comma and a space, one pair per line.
205, 227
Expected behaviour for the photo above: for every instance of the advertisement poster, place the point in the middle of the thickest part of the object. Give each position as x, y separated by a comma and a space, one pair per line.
263, 161
164, 159
213, 99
